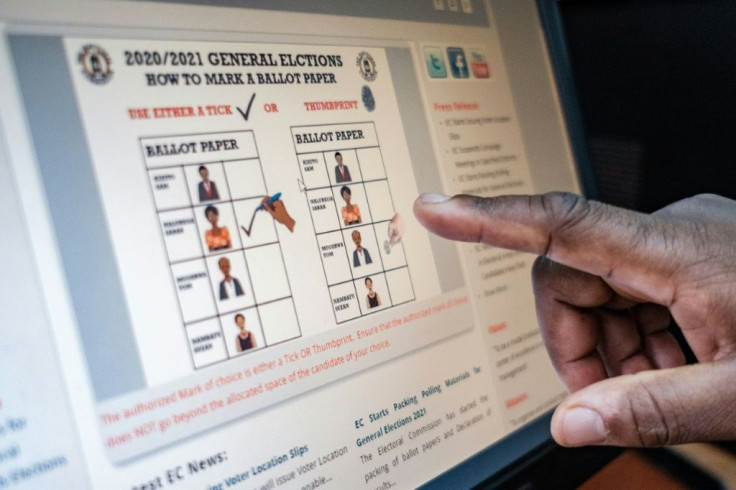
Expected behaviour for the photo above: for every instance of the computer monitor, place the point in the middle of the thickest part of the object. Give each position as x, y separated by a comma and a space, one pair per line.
212, 276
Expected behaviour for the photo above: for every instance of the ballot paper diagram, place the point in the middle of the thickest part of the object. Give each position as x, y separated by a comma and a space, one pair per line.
351, 206
224, 254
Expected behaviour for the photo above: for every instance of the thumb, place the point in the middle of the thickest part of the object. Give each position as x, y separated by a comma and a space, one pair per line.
652, 408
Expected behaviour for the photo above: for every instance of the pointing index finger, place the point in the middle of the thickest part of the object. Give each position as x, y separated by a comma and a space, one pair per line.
603, 240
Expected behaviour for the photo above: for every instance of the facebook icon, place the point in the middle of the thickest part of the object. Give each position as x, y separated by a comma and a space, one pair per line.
458, 63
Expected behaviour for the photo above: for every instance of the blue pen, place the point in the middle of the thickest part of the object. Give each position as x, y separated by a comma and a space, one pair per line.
270, 201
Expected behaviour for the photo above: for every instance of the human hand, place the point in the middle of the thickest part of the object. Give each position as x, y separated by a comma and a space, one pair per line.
278, 212
395, 229
605, 286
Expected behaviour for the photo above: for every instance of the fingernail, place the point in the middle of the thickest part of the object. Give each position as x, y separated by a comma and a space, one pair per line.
582, 426
429, 198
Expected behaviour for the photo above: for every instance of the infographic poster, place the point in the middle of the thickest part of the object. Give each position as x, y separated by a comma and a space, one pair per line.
258, 199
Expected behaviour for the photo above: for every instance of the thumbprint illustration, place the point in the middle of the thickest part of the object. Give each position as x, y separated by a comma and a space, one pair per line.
368, 101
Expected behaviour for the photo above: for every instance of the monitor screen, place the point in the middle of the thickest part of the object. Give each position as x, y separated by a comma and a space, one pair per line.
212, 275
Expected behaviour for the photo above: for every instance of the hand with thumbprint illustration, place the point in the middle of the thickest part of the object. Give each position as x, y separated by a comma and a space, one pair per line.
395, 229
278, 212
395, 232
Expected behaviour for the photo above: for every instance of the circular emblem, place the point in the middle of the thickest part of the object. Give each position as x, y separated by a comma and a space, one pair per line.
367, 66
95, 64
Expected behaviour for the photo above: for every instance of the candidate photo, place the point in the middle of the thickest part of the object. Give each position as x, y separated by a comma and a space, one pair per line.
230, 286
217, 237
245, 339
342, 172
350, 212
361, 256
207, 189
372, 299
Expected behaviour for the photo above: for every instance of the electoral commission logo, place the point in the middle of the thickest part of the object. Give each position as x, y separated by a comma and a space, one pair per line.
95, 64
367, 66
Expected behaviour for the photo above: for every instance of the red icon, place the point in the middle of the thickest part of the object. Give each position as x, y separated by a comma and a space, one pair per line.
479, 65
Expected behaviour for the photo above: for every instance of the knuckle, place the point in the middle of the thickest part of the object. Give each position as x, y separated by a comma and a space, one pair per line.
479, 203
639, 419
691, 204
566, 208
569, 216
549, 278
705, 198
541, 271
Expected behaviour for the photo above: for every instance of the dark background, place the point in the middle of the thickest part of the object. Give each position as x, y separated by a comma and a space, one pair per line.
656, 82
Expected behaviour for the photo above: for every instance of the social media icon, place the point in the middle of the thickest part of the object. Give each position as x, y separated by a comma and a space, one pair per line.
458, 63
453, 6
479, 65
435, 62
467, 6
439, 4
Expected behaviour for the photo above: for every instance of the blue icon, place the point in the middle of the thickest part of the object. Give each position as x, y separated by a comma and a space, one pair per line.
435, 62
458, 62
